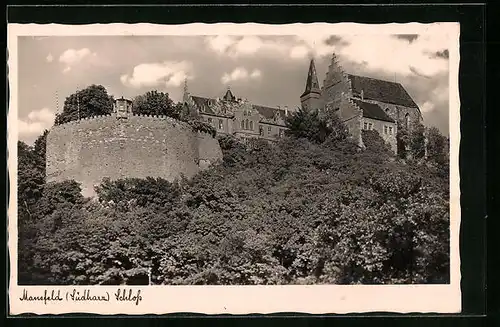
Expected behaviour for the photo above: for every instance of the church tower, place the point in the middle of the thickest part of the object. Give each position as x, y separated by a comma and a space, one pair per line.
311, 98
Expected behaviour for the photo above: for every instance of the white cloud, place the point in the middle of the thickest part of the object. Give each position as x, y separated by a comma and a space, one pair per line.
240, 73
71, 57
390, 54
240, 46
299, 52
169, 73
49, 58
35, 123
376, 52
427, 106
298, 47
256, 73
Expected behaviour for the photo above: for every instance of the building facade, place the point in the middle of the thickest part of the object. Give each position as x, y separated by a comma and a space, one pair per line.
234, 116
361, 102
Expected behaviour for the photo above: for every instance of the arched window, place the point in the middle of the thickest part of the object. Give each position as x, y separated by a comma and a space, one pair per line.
251, 125
246, 124
242, 124
407, 120
387, 110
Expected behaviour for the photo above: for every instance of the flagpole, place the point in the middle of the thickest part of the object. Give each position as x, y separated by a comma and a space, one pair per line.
78, 101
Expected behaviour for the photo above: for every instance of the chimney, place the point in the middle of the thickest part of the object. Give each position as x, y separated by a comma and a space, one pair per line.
362, 95
286, 110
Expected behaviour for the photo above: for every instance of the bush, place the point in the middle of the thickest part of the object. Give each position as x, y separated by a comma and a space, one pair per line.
199, 126
295, 212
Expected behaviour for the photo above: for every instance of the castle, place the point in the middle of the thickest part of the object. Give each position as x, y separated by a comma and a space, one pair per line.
122, 144
362, 103
234, 116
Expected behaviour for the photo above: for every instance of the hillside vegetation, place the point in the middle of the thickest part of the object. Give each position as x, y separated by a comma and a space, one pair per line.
311, 208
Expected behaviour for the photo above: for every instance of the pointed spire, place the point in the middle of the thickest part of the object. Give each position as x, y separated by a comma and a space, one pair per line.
312, 84
229, 95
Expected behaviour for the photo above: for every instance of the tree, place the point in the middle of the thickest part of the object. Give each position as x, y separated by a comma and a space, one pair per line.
376, 144
307, 124
31, 174
416, 141
437, 147
402, 139
156, 103
297, 211
91, 101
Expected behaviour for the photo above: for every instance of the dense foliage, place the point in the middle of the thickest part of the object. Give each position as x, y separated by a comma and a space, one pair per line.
201, 126
311, 208
156, 103
308, 124
91, 101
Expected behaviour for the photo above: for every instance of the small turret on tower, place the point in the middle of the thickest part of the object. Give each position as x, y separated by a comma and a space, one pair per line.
311, 98
122, 107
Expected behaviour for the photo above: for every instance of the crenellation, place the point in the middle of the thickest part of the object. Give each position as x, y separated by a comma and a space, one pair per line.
142, 147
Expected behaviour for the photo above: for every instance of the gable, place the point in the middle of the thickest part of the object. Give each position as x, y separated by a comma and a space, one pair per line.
380, 90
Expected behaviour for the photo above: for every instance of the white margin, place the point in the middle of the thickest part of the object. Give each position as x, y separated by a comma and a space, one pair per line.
315, 299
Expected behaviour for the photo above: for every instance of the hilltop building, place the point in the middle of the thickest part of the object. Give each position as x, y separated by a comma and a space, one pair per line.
362, 103
238, 117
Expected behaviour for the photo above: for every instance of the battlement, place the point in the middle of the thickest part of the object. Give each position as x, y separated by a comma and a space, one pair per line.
92, 148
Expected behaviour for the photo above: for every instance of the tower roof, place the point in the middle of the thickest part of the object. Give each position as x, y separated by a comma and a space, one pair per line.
229, 96
312, 84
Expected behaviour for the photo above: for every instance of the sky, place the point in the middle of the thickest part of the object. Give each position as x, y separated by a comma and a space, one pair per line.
266, 70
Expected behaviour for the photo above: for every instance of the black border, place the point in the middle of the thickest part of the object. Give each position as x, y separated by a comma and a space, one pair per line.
472, 96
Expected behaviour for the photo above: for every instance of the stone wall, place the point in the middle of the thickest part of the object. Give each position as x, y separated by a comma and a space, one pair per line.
140, 146
398, 113
378, 125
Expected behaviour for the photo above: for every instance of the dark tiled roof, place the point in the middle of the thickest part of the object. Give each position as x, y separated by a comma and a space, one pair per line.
229, 96
312, 84
372, 110
383, 91
203, 104
268, 112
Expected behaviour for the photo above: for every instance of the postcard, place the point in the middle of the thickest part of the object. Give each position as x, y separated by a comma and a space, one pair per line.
234, 168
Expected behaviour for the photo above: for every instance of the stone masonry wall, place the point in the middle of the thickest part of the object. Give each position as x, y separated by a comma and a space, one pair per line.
140, 146
378, 125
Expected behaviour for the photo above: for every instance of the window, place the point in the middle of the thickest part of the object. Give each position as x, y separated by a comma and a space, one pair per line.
385, 130
251, 125
407, 118
242, 124
221, 126
244, 112
370, 126
261, 130
281, 133
209, 120
268, 129
246, 124
390, 130
365, 126
387, 110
